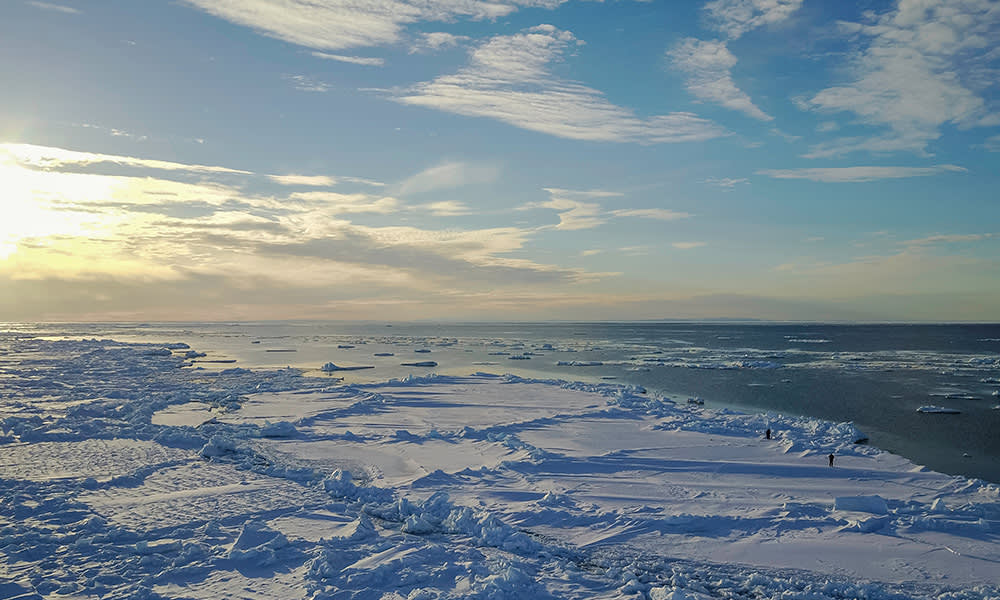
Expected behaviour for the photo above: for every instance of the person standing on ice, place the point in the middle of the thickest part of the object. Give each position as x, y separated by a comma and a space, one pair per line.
831, 459
767, 434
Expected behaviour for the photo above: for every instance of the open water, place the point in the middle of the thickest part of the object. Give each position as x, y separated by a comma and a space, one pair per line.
874, 375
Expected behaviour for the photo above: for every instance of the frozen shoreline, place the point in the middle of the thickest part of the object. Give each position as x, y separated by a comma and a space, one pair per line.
442, 487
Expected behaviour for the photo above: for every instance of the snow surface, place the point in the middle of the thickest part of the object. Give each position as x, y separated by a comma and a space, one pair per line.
129, 472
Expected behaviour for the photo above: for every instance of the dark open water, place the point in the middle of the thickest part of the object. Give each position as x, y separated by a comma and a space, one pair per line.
874, 375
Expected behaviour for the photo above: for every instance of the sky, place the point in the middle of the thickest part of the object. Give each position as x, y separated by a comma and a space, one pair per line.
499, 160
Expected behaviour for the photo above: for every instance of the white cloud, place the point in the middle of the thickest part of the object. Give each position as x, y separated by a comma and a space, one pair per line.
304, 180
948, 239
113, 131
54, 7
320, 180
508, 79
436, 41
574, 214
354, 60
45, 157
726, 183
736, 17
304, 83
447, 208
580, 209
992, 143
687, 245
67, 226
708, 65
659, 214
859, 174
340, 24
332, 203
919, 67
447, 176
51, 158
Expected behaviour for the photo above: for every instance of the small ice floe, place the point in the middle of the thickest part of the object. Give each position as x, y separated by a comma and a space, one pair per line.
383, 354
193, 354
330, 368
422, 363
579, 363
345, 346
281, 350
698, 401
939, 410
519, 357
158, 352
422, 350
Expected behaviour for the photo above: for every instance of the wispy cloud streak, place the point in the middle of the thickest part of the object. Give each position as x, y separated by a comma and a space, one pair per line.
508, 79
340, 24
859, 174
708, 66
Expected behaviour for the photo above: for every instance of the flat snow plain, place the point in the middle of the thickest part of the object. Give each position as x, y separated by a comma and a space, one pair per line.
125, 472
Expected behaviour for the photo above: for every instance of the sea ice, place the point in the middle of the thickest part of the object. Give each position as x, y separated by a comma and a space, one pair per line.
440, 487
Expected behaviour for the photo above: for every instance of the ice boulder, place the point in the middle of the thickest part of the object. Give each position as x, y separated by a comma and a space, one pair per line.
340, 484
867, 525
219, 445
281, 429
418, 524
667, 593
257, 543
875, 505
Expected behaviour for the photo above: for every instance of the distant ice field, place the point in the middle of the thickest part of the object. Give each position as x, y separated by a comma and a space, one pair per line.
876, 376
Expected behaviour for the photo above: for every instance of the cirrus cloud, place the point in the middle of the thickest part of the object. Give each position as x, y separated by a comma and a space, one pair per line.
859, 174
508, 79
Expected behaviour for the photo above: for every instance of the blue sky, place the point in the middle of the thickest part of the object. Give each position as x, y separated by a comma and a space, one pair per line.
532, 159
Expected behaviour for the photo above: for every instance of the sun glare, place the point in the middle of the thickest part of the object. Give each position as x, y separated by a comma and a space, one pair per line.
41, 206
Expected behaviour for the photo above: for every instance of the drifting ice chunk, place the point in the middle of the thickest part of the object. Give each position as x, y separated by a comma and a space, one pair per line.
330, 368
940, 410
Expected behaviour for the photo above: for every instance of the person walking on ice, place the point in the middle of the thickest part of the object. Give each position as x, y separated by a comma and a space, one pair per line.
831, 459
